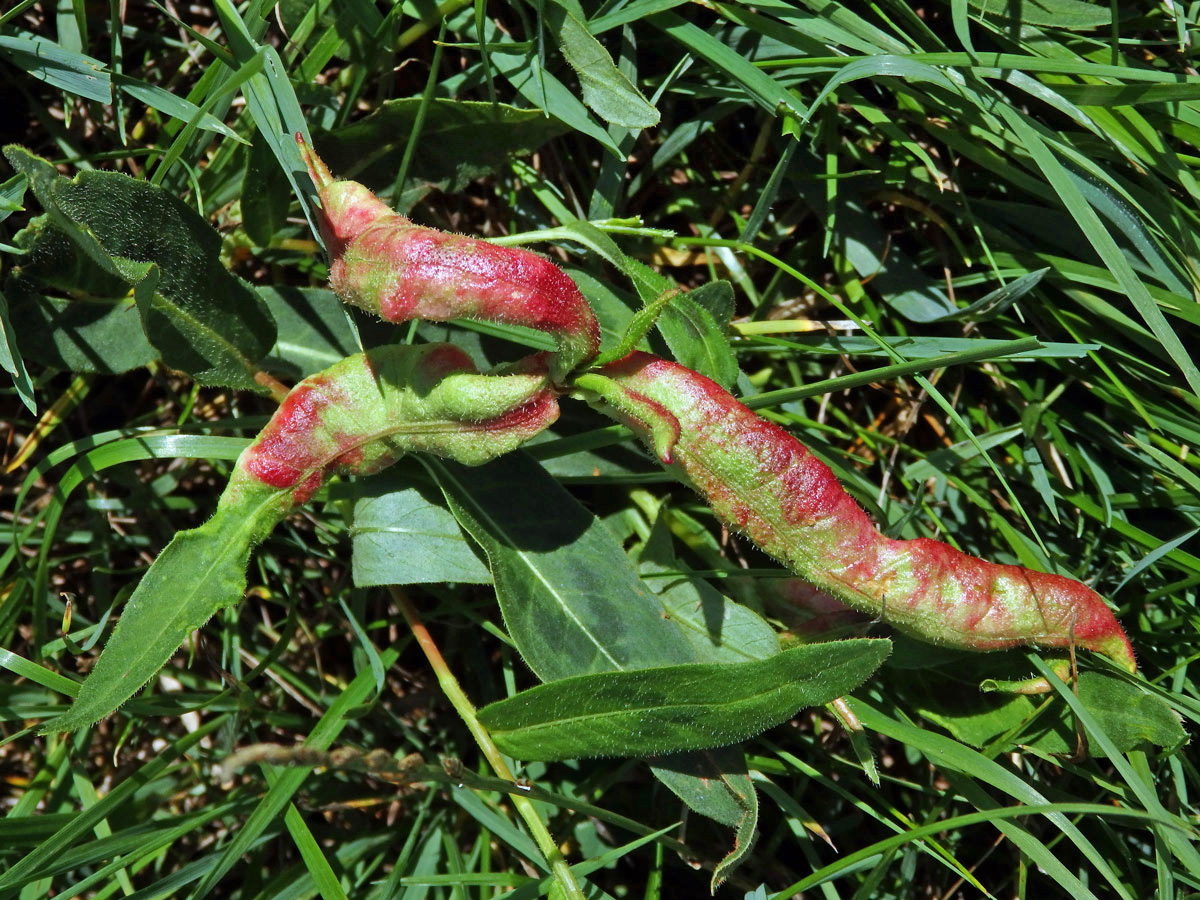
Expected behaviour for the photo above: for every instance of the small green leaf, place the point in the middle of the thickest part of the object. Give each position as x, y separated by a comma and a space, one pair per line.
12, 194
649, 711
696, 341
606, 90
643, 320
1130, 715
403, 534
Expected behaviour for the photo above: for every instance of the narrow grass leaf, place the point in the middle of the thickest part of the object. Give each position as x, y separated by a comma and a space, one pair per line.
81, 824
25, 668
173, 105
950, 754
1104, 245
68, 70
761, 87
884, 65
279, 795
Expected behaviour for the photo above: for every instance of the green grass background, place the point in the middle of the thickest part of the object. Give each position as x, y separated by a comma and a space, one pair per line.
905, 188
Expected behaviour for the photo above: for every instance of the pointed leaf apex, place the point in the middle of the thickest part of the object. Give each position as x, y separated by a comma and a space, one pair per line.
317, 170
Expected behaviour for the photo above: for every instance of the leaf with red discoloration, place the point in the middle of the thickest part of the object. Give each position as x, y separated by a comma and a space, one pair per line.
356, 417
762, 481
382, 262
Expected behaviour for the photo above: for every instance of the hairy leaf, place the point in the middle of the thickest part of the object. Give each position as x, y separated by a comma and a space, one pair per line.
197, 315
606, 90
648, 711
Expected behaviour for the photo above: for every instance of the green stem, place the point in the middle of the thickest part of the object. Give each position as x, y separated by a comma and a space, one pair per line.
458, 699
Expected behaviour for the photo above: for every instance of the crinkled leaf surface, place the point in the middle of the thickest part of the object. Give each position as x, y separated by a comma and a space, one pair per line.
198, 316
648, 711
403, 534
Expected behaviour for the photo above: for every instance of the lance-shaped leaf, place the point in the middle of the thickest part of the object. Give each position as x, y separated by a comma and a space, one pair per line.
605, 88
382, 262
648, 711
140, 240
356, 417
761, 480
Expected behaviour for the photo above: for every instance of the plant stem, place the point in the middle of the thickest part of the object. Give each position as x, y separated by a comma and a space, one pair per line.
458, 699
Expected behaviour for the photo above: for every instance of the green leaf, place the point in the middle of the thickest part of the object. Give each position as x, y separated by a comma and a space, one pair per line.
717, 784
266, 196
83, 334
1071, 14
720, 630
172, 105
606, 90
639, 324
403, 534
11, 360
198, 572
199, 317
461, 140
695, 339
648, 711
313, 330
571, 600
1130, 715
73, 72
